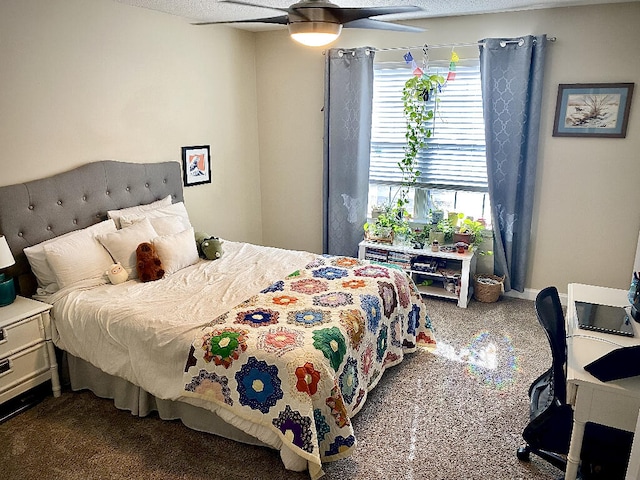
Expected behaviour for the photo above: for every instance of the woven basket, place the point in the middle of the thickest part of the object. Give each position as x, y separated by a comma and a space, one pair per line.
487, 293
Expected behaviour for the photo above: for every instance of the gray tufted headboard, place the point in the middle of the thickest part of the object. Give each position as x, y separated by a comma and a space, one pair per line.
38, 210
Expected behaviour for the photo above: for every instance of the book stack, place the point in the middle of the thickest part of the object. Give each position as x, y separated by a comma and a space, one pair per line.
401, 259
376, 254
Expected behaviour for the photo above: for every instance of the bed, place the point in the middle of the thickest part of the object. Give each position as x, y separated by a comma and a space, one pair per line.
264, 346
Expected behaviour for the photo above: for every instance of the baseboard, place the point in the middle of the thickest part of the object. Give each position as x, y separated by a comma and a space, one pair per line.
531, 294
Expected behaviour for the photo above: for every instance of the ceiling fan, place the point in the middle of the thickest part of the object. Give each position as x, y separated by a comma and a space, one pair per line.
319, 22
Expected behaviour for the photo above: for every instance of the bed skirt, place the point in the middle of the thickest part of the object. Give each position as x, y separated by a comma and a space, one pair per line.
127, 396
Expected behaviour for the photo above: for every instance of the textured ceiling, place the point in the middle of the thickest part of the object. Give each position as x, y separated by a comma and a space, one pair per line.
214, 10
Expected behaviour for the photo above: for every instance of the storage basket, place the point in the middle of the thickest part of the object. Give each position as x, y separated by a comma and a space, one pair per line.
485, 292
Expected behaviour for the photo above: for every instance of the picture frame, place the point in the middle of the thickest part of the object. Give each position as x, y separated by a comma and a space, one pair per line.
593, 110
196, 165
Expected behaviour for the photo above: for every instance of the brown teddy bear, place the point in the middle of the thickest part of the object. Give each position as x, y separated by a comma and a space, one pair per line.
148, 264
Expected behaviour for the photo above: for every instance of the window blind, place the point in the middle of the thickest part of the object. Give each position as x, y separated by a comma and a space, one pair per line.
456, 157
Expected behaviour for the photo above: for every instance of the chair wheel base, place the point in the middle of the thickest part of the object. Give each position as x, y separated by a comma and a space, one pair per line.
523, 453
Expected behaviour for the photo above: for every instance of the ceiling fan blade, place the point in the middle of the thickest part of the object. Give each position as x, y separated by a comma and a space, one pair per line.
249, 4
378, 25
346, 15
281, 20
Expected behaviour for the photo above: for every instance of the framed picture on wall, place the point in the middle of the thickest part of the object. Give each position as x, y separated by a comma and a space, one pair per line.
593, 110
196, 165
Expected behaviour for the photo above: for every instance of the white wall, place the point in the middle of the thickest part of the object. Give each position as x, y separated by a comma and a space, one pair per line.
586, 215
87, 80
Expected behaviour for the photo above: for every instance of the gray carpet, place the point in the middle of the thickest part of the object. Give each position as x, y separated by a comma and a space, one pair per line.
455, 414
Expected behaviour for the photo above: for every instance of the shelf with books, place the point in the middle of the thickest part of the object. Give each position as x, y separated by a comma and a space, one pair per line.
443, 274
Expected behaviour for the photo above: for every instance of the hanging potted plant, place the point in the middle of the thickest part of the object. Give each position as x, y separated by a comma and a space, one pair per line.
418, 114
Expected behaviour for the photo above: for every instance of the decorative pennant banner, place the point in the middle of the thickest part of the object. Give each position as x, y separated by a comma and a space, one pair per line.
452, 66
408, 58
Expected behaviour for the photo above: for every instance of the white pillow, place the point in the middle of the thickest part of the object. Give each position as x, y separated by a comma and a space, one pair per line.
76, 258
162, 225
177, 251
38, 260
175, 209
116, 214
122, 244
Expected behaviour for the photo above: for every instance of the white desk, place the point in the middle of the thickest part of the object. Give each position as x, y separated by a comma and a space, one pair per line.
616, 403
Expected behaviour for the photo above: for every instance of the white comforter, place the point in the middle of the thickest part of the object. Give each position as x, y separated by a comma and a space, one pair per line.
144, 334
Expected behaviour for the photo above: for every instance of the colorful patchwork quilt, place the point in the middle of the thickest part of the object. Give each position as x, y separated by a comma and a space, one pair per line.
300, 356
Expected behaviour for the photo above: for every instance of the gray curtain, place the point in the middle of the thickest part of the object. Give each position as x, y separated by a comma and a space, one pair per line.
512, 73
347, 140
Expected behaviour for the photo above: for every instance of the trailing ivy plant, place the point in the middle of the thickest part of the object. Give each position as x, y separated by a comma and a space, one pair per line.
417, 92
418, 114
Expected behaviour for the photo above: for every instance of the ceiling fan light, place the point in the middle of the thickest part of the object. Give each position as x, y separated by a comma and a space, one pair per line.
314, 34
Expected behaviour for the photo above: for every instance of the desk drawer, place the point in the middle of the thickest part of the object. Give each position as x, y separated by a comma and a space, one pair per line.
23, 366
21, 334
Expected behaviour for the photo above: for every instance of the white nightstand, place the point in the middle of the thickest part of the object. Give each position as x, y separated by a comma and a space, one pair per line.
27, 356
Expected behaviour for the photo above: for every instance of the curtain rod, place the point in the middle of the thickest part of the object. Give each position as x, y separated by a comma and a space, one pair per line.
503, 43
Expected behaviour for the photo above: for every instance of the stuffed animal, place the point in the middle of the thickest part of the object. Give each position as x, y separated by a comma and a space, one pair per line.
117, 274
212, 248
148, 264
200, 237
208, 247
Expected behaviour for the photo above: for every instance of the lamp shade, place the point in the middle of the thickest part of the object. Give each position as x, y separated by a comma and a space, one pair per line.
7, 288
314, 34
6, 258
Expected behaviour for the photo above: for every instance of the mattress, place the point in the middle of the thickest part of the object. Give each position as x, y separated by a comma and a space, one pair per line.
142, 331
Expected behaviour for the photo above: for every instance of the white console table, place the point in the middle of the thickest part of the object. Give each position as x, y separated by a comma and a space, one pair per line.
462, 264
614, 403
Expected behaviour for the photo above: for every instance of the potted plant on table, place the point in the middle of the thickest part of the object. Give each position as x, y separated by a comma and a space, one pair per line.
447, 230
384, 226
421, 236
473, 231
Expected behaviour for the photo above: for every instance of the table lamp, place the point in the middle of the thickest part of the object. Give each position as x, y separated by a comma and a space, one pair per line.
7, 288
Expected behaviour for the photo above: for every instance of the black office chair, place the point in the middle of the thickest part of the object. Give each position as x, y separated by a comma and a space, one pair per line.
549, 430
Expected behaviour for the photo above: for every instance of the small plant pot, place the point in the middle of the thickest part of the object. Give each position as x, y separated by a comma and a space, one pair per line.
437, 216
461, 247
436, 237
463, 237
375, 213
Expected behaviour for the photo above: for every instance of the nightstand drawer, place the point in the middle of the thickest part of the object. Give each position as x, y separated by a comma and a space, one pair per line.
21, 334
20, 368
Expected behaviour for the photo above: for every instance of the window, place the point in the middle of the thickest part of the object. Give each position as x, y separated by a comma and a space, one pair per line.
453, 172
